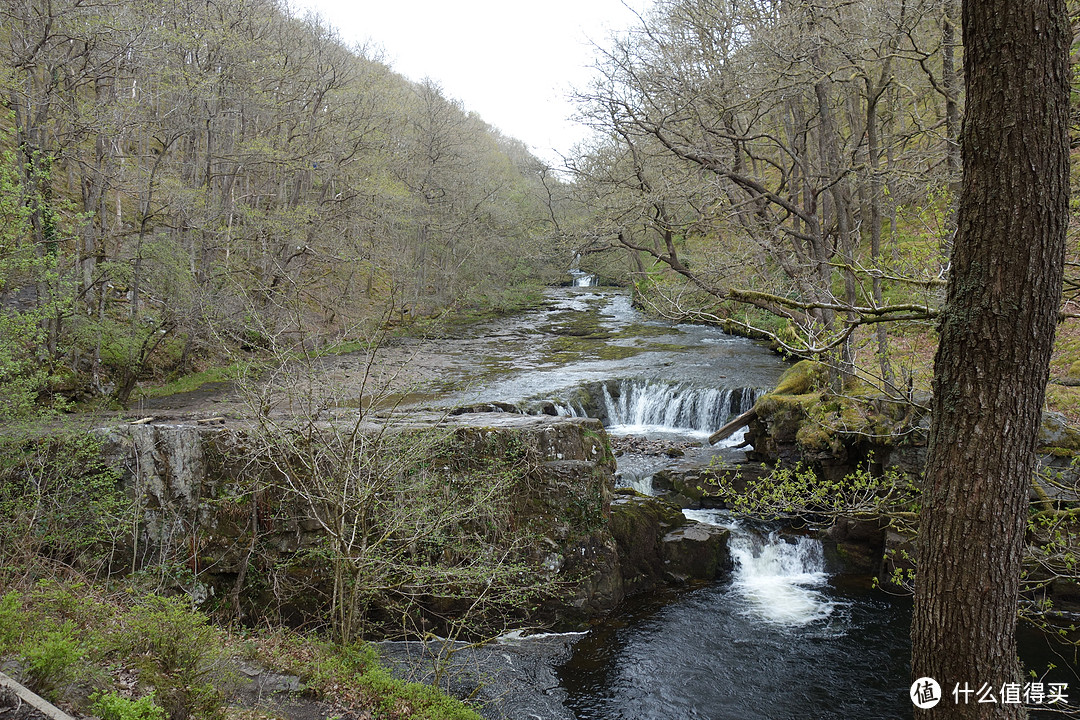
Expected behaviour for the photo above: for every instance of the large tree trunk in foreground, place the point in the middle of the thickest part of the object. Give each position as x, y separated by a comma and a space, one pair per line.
997, 331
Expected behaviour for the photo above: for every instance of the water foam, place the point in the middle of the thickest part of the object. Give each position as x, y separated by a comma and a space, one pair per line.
777, 577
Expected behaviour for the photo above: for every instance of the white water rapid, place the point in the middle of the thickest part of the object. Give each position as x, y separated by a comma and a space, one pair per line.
583, 279
777, 577
642, 407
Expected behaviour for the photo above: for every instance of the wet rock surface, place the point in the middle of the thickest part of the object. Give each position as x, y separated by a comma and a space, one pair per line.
658, 546
509, 679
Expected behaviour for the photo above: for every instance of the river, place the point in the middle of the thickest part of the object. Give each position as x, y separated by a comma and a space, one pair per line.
784, 637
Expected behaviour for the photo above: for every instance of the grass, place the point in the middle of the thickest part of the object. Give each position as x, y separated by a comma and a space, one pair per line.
352, 675
194, 381
81, 645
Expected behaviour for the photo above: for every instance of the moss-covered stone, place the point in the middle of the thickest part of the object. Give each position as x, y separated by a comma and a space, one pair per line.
194, 484
1057, 437
803, 421
638, 524
658, 545
801, 378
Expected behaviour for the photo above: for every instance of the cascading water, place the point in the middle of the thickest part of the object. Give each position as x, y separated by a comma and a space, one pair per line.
775, 642
779, 578
580, 277
583, 279
642, 407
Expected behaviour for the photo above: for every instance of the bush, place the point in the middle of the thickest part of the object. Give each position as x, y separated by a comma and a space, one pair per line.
179, 653
54, 660
61, 502
111, 706
412, 700
11, 622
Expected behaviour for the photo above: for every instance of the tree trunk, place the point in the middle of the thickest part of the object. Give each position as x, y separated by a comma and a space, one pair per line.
997, 331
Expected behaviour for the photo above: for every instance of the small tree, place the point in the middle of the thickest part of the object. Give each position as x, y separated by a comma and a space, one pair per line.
418, 522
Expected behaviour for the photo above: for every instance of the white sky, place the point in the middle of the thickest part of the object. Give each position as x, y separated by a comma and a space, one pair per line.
513, 62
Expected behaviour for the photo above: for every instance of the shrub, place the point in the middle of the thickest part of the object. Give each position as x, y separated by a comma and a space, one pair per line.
110, 706
179, 653
11, 622
53, 660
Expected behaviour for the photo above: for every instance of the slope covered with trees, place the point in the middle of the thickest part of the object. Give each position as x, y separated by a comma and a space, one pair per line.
179, 177
788, 169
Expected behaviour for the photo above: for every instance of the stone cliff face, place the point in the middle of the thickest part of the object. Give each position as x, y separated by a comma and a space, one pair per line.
240, 544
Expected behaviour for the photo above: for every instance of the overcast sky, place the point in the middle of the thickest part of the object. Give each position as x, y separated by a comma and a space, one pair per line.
511, 61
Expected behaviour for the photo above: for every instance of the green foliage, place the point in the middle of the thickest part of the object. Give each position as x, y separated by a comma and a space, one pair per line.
353, 673
395, 197
64, 629
25, 271
111, 706
61, 500
178, 653
67, 635
414, 700
190, 383
54, 659
11, 622
802, 493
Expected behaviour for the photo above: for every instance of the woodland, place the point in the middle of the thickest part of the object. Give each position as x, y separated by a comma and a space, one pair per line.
181, 194
205, 189
185, 181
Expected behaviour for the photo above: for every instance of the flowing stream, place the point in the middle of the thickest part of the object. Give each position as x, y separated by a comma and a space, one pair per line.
788, 635
782, 639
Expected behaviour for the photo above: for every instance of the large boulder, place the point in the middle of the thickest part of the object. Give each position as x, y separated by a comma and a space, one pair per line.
658, 546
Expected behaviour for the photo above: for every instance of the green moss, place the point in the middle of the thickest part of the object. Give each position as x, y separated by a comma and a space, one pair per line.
786, 409
803, 411
1060, 452
1064, 399
802, 378
568, 349
577, 324
814, 436
635, 520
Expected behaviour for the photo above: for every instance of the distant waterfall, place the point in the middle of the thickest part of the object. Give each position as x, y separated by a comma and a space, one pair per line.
583, 279
641, 406
580, 277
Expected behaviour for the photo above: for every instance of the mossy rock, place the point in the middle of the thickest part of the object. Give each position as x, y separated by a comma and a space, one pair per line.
638, 524
801, 378
784, 415
1057, 437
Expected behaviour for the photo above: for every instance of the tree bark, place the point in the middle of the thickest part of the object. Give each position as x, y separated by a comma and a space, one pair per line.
997, 332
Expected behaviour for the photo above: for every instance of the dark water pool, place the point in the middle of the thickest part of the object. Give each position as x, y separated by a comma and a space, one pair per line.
705, 656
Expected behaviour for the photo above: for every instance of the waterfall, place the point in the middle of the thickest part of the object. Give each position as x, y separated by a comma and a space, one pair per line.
776, 576
636, 407
583, 279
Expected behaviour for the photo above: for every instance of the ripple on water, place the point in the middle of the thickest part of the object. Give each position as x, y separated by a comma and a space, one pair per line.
705, 656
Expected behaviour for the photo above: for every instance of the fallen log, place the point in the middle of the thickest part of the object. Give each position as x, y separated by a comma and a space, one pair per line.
46, 708
729, 429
